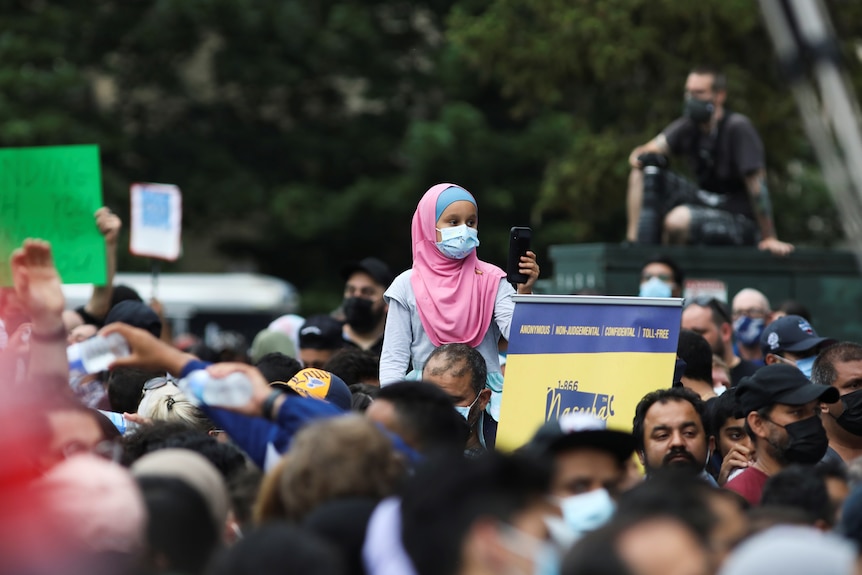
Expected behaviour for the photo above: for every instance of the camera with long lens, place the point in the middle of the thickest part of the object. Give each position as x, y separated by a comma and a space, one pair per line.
652, 213
652, 159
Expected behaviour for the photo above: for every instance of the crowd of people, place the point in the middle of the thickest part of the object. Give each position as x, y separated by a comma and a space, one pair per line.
363, 441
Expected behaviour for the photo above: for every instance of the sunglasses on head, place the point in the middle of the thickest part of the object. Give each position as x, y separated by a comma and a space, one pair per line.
157, 382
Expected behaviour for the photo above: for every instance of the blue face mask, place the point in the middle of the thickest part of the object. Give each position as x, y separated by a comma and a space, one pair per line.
748, 330
465, 411
655, 288
542, 554
559, 531
546, 561
805, 364
587, 511
458, 242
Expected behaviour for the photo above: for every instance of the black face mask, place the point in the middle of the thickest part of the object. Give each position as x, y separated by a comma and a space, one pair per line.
360, 314
851, 419
700, 111
807, 441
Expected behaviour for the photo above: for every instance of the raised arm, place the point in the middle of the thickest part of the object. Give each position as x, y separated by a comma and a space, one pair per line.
38, 290
148, 352
264, 427
167, 334
758, 194
109, 225
529, 266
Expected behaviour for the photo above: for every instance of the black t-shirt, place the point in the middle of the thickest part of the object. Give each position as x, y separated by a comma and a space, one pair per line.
374, 350
743, 369
722, 159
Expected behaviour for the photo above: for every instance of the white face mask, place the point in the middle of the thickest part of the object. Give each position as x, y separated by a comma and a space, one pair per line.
587, 511
465, 411
457, 242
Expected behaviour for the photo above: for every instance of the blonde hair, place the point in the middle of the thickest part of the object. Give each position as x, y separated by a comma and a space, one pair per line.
345, 456
167, 403
720, 364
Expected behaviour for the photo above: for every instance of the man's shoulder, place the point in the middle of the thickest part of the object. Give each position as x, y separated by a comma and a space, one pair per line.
376, 348
832, 457
737, 122
680, 135
489, 430
736, 118
679, 126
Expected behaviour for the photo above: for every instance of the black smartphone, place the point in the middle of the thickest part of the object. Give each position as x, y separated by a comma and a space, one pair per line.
519, 244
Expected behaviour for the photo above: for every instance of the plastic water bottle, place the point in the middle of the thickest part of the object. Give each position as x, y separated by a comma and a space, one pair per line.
199, 387
97, 353
119, 421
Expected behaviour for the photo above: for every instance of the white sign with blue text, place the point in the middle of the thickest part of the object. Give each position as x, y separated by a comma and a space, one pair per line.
156, 221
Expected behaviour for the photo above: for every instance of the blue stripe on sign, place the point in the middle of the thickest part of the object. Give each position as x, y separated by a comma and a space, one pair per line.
588, 328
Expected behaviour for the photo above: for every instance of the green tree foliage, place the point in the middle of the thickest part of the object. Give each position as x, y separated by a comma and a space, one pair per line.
303, 133
618, 66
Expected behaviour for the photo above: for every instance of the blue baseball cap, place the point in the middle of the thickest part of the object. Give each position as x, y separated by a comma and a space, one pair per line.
318, 384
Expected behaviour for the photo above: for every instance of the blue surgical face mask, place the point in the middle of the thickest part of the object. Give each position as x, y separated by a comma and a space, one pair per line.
805, 364
546, 560
587, 511
542, 554
748, 330
457, 242
559, 531
465, 411
654, 287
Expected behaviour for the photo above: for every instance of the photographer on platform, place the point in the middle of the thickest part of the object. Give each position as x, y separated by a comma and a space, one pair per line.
729, 204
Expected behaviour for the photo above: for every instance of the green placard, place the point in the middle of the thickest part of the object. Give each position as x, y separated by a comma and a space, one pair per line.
51, 193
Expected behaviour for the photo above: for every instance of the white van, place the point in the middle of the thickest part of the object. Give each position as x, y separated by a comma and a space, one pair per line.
240, 302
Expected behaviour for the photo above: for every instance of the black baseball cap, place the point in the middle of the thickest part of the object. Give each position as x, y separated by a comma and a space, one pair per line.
321, 332
574, 430
137, 314
790, 333
779, 383
377, 269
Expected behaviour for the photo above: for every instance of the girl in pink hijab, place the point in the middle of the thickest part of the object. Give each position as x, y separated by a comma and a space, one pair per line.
449, 295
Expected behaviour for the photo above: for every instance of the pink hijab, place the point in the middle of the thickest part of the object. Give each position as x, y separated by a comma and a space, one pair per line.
455, 298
